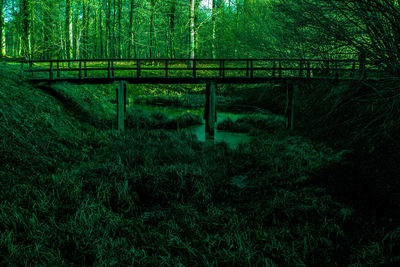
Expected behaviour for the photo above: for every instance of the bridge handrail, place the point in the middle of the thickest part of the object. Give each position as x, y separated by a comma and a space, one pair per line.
185, 59
277, 66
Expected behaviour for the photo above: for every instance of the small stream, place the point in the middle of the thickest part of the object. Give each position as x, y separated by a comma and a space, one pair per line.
232, 139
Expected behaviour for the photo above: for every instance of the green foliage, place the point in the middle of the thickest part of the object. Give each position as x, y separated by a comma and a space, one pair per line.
73, 193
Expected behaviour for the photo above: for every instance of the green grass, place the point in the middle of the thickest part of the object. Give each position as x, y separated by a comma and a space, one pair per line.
76, 192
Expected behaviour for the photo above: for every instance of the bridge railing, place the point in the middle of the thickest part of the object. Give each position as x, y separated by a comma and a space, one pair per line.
194, 68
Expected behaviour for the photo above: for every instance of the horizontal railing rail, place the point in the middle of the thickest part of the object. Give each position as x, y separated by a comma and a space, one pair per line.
197, 68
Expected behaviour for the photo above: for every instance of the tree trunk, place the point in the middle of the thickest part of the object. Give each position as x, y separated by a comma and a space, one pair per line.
108, 28
192, 32
95, 42
89, 47
26, 28
84, 30
130, 42
2, 44
100, 30
13, 31
213, 30
172, 28
119, 30
196, 36
68, 29
151, 38
114, 37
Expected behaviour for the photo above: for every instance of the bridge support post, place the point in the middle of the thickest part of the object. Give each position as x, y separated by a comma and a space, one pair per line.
121, 105
210, 112
290, 104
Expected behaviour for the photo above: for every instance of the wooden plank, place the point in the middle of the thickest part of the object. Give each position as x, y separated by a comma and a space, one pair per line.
210, 113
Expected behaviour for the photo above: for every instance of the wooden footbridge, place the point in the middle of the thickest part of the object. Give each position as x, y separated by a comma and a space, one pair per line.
195, 71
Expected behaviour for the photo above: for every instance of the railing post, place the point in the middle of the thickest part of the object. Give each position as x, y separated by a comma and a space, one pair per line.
362, 68
138, 73
274, 69
223, 68
247, 68
280, 69
353, 70
328, 68
194, 67
301, 69
58, 68
80, 70
112, 68
51, 71
166, 68
109, 69
85, 69
308, 69
210, 113
220, 68
251, 68
336, 70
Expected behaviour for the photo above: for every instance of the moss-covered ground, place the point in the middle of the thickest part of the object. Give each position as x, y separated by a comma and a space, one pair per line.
74, 191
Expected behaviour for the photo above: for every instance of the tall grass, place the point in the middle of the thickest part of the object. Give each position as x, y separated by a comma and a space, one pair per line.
75, 194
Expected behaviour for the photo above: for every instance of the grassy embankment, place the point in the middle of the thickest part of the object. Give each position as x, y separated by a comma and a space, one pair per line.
73, 191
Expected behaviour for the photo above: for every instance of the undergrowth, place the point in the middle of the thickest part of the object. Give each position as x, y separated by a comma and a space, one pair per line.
75, 194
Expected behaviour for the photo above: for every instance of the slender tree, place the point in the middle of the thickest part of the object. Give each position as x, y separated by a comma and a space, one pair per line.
119, 52
172, 11
109, 42
26, 11
213, 29
68, 29
131, 38
192, 32
2, 44
152, 40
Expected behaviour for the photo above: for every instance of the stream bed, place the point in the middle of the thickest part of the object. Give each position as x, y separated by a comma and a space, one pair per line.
232, 139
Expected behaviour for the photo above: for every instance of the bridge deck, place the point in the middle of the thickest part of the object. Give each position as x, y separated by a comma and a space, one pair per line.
173, 71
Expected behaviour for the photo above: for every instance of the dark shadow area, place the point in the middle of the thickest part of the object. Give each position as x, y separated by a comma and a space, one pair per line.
73, 108
370, 184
